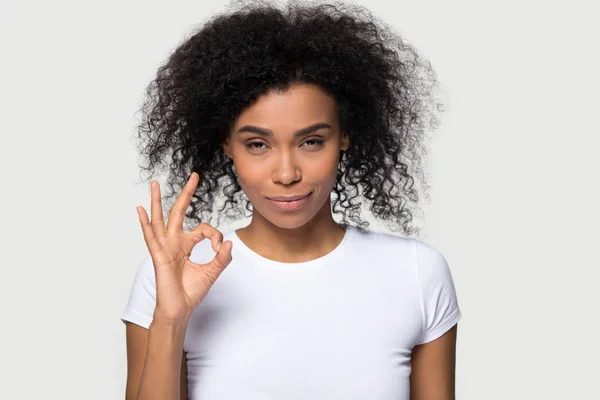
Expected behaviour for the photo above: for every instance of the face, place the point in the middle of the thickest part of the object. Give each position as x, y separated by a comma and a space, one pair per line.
288, 144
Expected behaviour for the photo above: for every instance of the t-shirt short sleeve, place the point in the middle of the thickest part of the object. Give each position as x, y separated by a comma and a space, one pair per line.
142, 298
439, 302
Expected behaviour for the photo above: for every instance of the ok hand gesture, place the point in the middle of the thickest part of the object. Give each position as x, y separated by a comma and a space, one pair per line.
180, 283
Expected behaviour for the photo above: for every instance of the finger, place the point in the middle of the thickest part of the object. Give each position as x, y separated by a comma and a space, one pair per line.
221, 260
224, 255
158, 221
204, 231
177, 213
149, 235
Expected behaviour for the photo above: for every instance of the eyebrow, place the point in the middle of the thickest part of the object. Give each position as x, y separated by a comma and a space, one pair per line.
268, 132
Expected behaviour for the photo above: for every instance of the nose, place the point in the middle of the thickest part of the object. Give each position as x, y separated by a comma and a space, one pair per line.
286, 170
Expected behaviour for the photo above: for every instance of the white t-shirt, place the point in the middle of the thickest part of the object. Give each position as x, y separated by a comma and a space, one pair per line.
341, 326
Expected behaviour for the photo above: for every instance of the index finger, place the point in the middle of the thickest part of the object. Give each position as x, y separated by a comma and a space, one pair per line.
177, 213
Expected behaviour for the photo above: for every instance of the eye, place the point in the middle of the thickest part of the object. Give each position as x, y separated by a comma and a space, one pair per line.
254, 145
316, 142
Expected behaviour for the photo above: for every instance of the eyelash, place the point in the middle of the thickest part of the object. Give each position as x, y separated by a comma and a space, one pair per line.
316, 141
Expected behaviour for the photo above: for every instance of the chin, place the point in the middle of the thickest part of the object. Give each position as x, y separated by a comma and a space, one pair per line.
290, 224
288, 220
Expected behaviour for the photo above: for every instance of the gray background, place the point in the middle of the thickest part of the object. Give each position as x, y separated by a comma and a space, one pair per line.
514, 197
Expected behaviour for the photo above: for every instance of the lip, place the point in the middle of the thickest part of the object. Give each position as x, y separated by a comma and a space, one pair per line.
289, 205
288, 198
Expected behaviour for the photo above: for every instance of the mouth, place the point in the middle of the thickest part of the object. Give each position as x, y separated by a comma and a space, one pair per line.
291, 203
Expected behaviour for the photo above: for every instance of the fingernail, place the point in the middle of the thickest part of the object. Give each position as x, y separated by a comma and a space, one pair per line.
218, 246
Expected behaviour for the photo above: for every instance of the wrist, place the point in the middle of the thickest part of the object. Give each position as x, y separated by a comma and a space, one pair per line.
165, 336
160, 319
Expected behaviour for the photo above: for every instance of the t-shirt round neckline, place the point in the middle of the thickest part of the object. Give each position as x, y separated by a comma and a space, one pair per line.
240, 246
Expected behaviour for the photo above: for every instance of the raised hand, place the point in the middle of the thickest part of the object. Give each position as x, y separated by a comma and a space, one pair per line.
180, 283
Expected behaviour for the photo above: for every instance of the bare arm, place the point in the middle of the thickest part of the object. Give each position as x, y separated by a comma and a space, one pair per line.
137, 349
433, 368
181, 285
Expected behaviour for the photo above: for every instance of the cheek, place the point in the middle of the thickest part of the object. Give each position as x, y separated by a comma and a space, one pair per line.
250, 174
325, 170
254, 177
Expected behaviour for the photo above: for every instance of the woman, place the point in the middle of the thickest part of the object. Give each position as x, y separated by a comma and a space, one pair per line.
287, 107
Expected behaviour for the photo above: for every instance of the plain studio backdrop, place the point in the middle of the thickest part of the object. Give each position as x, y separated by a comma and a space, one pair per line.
514, 186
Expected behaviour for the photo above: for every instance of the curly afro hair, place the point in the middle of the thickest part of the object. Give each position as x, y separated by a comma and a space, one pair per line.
386, 94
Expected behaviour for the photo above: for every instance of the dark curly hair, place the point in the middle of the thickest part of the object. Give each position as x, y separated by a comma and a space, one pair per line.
386, 94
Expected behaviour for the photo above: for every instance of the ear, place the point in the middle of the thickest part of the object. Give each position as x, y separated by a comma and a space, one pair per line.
344, 141
227, 149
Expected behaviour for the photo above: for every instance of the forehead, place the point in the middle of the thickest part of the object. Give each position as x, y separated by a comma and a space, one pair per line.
299, 106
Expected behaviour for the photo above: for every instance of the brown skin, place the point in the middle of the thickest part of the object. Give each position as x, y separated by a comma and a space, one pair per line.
155, 359
281, 164
433, 368
137, 346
